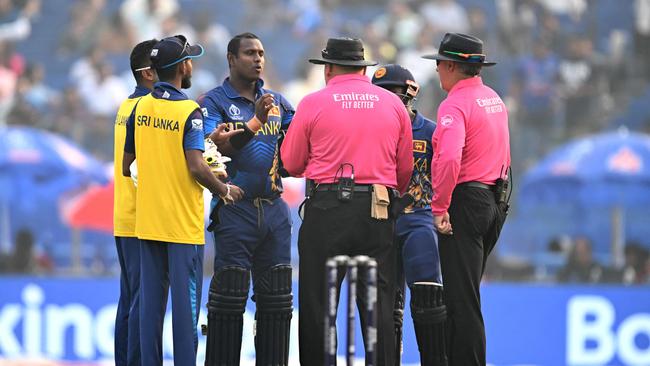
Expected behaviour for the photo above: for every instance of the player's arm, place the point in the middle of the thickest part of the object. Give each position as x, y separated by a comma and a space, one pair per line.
129, 146
214, 127
228, 140
262, 107
287, 116
449, 140
295, 147
194, 146
287, 112
202, 174
404, 151
221, 137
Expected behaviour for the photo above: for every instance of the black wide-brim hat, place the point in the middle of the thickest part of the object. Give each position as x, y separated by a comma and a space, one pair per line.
458, 47
344, 52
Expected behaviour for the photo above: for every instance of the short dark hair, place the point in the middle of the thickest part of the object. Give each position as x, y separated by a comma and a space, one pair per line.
469, 69
168, 73
140, 57
235, 42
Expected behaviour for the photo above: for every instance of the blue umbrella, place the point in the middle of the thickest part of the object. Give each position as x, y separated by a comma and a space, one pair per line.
605, 169
36, 169
581, 188
44, 155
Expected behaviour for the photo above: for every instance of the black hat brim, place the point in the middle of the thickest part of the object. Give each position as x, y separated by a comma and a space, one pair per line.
323, 61
440, 57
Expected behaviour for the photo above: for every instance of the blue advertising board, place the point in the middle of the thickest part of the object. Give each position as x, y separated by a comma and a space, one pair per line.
72, 319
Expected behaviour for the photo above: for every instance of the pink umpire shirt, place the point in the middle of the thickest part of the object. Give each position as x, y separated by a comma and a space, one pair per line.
471, 141
351, 121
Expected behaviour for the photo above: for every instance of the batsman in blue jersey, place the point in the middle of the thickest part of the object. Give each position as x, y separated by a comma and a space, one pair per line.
415, 236
252, 236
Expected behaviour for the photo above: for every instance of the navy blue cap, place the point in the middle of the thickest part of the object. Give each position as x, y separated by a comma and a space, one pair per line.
392, 75
396, 75
172, 50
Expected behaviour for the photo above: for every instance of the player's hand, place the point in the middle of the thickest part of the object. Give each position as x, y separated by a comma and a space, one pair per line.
262, 107
231, 194
442, 224
222, 134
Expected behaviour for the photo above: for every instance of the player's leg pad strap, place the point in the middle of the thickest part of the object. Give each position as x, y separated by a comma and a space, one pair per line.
226, 305
429, 314
274, 301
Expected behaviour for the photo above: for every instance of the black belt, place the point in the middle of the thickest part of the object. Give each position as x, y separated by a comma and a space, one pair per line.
477, 185
333, 187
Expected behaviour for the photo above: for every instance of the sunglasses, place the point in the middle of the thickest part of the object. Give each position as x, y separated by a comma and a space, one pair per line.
185, 45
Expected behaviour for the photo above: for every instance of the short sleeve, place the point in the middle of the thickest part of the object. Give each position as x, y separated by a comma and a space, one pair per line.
211, 114
193, 135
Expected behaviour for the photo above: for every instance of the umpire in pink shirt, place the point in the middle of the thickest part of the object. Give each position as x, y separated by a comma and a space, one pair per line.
469, 180
351, 128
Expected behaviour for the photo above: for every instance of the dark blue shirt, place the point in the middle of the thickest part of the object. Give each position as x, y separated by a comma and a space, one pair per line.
254, 168
140, 91
192, 138
420, 184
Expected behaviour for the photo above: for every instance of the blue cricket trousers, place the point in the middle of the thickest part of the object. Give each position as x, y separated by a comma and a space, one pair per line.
179, 266
127, 319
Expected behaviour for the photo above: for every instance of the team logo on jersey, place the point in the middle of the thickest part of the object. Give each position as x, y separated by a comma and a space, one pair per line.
380, 72
197, 124
419, 146
234, 111
274, 112
446, 120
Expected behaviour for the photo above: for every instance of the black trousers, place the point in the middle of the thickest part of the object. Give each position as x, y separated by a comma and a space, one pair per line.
477, 221
331, 228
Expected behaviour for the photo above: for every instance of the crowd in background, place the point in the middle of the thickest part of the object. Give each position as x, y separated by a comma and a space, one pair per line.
565, 72
571, 260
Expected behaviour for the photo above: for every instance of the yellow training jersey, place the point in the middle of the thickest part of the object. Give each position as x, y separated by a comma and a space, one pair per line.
124, 189
169, 204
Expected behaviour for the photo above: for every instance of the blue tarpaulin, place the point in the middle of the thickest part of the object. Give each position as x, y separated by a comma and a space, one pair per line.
579, 187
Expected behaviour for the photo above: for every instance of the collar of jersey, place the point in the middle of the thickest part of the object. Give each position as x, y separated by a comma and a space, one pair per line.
161, 87
234, 94
140, 91
345, 77
473, 81
418, 122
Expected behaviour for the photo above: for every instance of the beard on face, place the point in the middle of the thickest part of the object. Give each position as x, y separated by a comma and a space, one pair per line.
186, 82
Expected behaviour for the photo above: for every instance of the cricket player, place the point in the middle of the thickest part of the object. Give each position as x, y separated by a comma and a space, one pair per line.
415, 236
253, 235
127, 320
165, 134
